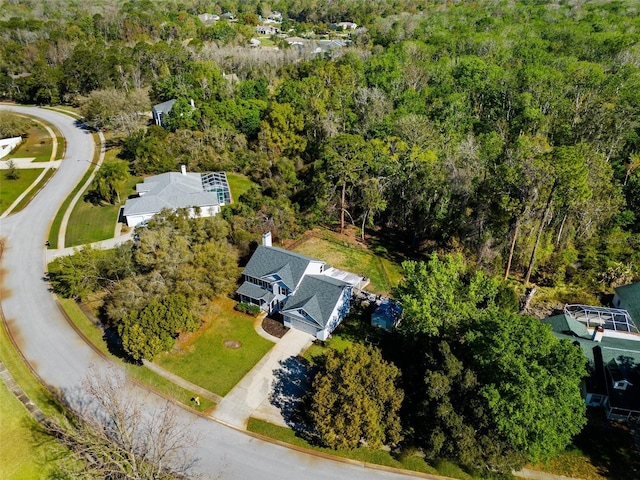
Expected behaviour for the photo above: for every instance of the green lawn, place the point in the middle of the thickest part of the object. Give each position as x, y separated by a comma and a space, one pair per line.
383, 274
238, 184
36, 143
207, 362
91, 223
10, 190
139, 373
379, 457
43, 181
24, 449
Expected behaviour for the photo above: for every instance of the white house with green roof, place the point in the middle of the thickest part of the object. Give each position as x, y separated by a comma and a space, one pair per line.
311, 296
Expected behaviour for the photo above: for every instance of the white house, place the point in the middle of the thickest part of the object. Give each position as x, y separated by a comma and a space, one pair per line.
201, 194
267, 30
347, 25
7, 145
311, 296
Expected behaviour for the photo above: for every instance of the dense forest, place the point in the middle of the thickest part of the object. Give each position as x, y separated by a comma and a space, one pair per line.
508, 130
495, 142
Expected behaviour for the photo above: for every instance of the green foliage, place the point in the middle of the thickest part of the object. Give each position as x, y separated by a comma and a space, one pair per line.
248, 308
153, 329
442, 295
355, 398
108, 182
489, 388
13, 125
12, 172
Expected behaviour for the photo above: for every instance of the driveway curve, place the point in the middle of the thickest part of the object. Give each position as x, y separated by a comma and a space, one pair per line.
62, 359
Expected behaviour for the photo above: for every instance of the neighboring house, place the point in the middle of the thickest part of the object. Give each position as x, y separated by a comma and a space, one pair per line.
324, 46
202, 194
610, 341
159, 111
311, 296
294, 40
208, 18
267, 30
8, 145
275, 16
347, 25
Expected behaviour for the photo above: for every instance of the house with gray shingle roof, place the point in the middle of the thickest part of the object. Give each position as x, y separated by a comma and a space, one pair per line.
201, 194
160, 110
310, 296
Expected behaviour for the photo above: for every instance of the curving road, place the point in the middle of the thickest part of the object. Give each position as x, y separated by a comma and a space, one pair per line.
62, 359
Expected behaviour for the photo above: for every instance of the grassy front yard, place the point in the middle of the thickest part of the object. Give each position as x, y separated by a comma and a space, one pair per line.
25, 449
139, 373
36, 143
378, 457
12, 189
383, 273
206, 361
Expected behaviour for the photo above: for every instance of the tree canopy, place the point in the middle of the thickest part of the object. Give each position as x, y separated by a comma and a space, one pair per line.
355, 398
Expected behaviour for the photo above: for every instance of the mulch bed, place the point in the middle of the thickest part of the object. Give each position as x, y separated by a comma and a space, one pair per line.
274, 327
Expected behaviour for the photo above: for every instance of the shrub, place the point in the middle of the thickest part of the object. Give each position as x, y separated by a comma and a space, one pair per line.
248, 308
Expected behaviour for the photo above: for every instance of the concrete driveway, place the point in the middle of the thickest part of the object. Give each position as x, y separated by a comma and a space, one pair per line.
252, 395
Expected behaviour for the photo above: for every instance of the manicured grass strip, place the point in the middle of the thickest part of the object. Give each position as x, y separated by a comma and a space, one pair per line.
145, 376
57, 221
207, 362
62, 147
12, 189
26, 450
238, 184
344, 256
43, 181
378, 457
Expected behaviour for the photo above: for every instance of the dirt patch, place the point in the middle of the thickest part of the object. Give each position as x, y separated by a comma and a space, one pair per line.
234, 344
274, 327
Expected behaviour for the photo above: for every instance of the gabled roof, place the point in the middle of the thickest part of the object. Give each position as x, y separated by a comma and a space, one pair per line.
164, 107
629, 296
267, 262
318, 296
170, 190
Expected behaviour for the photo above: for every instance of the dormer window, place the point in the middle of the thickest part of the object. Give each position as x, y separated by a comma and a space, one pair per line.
621, 384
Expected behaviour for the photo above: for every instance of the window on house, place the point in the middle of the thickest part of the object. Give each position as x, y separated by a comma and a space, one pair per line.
283, 291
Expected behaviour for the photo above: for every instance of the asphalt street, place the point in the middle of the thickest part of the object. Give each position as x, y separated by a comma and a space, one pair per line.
62, 359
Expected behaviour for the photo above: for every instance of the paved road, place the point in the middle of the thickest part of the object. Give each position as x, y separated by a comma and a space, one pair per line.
62, 359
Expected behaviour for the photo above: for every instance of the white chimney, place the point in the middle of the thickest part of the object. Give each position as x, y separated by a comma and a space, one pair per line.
183, 169
598, 333
266, 239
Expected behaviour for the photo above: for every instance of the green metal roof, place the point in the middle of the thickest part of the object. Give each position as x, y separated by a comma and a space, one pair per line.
629, 296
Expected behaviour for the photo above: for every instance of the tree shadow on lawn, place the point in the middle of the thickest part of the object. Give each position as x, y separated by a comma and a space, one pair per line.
610, 446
